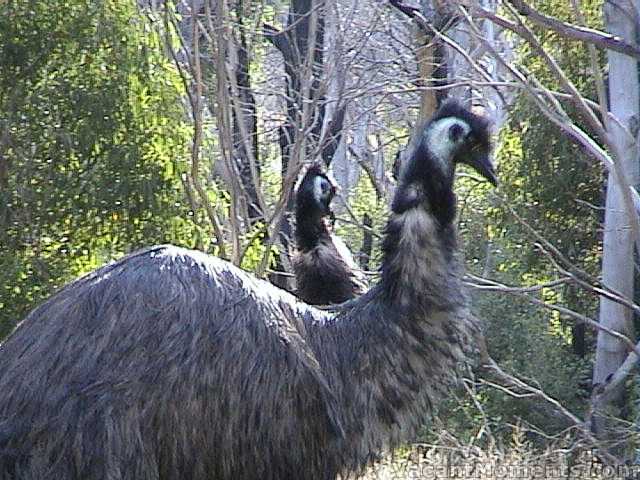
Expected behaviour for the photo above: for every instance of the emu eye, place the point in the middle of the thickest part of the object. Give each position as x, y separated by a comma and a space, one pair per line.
322, 189
456, 132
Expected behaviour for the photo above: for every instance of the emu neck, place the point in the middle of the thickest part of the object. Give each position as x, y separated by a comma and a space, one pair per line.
311, 229
391, 354
420, 239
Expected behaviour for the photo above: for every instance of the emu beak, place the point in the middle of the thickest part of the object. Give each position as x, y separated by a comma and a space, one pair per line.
482, 164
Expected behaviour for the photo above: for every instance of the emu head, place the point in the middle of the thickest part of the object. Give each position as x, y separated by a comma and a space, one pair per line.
456, 135
315, 192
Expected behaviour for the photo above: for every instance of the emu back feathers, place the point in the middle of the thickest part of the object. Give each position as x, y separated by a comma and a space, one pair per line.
166, 364
171, 364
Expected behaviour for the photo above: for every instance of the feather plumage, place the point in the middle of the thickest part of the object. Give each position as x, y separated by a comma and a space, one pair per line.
171, 364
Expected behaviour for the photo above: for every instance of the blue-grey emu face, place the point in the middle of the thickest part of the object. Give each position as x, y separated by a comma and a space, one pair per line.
475, 151
464, 138
316, 191
323, 191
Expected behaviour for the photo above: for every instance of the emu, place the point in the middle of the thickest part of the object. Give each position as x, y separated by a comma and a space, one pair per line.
324, 268
171, 364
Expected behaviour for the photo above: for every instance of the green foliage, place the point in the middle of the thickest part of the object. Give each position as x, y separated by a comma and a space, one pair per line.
363, 201
547, 180
256, 248
556, 189
93, 144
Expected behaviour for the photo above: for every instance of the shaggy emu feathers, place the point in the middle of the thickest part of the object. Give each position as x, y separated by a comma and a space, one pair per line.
170, 364
137, 366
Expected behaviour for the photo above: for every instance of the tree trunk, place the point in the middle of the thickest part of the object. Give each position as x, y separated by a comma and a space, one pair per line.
367, 243
303, 68
431, 57
432, 70
247, 105
618, 261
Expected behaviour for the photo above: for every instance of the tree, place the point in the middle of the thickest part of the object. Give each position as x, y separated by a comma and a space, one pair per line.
91, 144
618, 242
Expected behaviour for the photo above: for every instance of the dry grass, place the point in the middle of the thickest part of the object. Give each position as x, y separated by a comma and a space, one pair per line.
450, 460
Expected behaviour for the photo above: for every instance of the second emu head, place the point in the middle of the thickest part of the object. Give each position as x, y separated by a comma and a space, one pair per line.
315, 192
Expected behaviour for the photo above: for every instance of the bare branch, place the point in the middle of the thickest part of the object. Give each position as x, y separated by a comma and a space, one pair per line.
576, 32
195, 100
517, 388
562, 310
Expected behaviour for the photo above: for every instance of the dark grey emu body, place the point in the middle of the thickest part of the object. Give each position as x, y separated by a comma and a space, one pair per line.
324, 268
170, 364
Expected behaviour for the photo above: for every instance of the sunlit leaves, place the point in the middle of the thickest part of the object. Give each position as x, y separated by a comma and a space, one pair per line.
96, 143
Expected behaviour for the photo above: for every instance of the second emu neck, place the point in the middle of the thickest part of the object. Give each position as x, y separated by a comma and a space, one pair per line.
311, 229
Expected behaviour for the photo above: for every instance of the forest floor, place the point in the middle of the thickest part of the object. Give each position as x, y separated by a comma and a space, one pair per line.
427, 462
